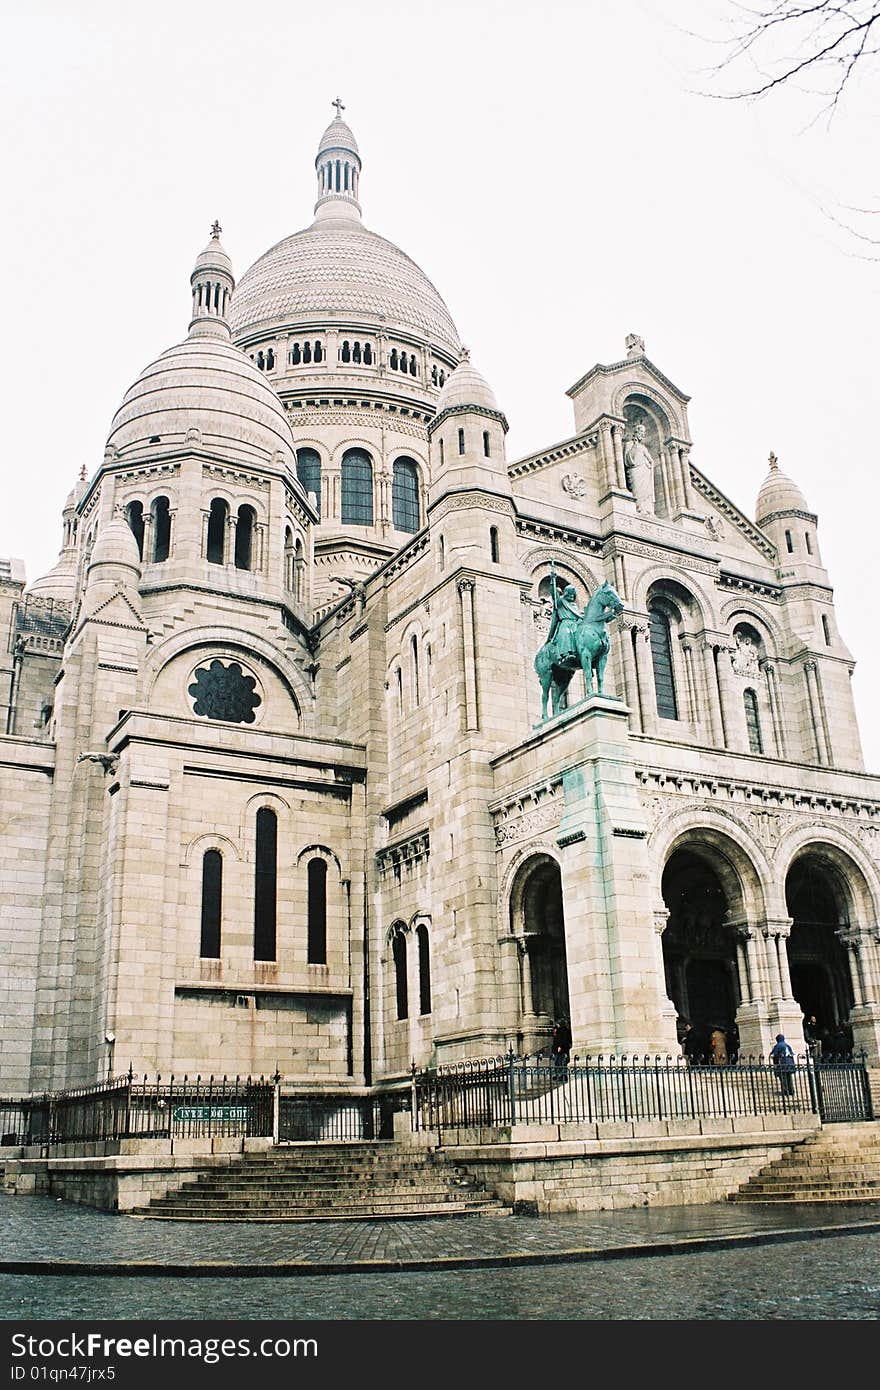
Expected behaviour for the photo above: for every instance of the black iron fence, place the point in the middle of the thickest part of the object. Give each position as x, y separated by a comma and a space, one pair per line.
503, 1091
339, 1118
129, 1107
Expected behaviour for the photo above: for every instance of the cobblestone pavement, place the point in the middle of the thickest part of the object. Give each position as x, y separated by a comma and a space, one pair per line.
41, 1233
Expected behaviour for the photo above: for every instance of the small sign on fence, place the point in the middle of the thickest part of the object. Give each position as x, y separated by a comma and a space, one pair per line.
210, 1112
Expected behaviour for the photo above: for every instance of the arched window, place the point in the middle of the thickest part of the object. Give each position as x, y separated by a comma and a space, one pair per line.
319, 351
808, 543
216, 544
265, 884
212, 903
299, 571
161, 529
405, 495
295, 355
345, 352
308, 470
356, 353
441, 453
398, 948
392, 359
661, 656
414, 668
288, 558
441, 547
753, 721
357, 488
413, 369
317, 913
424, 969
261, 361
244, 537
307, 352
368, 355
494, 549
134, 515
270, 359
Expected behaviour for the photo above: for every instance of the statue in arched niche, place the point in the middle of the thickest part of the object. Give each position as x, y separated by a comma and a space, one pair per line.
639, 469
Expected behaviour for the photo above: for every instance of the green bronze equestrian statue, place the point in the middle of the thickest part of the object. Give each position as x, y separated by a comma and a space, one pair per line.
576, 641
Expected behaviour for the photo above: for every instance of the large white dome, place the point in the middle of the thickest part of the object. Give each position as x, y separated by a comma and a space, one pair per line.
338, 269
204, 384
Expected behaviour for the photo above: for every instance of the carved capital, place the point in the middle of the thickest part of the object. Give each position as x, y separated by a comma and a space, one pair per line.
810, 667
465, 586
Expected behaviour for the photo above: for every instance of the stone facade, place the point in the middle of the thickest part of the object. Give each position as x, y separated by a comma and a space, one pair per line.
276, 790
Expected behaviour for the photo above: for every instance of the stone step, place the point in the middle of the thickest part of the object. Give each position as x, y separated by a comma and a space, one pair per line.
405, 1214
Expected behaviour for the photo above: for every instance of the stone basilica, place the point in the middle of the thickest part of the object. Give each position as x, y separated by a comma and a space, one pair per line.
276, 789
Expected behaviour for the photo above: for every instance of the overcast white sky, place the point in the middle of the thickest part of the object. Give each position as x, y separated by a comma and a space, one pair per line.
552, 166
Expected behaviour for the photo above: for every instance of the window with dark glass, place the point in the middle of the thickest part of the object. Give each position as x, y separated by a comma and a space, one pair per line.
826, 631
789, 544
398, 949
753, 722
317, 913
661, 657
405, 495
357, 488
424, 969
494, 551
216, 545
308, 470
134, 515
486, 443
461, 441
161, 529
265, 884
212, 902
244, 538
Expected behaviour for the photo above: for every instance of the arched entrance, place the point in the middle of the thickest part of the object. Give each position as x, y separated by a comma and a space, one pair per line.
818, 961
538, 922
699, 949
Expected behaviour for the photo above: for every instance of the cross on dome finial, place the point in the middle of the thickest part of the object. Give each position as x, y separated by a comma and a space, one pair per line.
340, 107
465, 353
773, 461
82, 474
216, 229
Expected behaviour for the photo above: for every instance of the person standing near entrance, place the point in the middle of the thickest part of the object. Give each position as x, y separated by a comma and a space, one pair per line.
560, 1047
782, 1058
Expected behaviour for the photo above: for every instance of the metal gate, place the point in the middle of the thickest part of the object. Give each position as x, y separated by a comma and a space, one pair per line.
843, 1093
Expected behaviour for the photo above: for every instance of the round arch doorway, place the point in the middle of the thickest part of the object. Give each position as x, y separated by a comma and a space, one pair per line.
817, 959
538, 921
699, 953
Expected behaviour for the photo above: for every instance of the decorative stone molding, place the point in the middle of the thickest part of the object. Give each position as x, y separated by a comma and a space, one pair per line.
544, 531
529, 813
405, 853
570, 449
726, 580
575, 485
235, 475
727, 509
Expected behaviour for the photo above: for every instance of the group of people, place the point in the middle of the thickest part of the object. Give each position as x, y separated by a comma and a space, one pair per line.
709, 1044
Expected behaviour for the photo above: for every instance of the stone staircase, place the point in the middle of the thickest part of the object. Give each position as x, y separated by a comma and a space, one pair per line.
361, 1181
840, 1163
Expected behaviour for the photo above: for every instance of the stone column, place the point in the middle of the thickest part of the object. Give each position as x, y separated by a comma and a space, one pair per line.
690, 681
229, 539
147, 543
630, 675
466, 593
645, 673
617, 445
713, 699
775, 713
783, 1014
686, 488
608, 458
672, 475
172, 531
665, 1007
817, 713
732, 709
206, 519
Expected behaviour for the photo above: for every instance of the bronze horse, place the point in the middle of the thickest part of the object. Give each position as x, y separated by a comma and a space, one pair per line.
592, 646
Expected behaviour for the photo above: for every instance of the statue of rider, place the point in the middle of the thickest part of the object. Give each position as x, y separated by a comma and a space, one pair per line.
563, 624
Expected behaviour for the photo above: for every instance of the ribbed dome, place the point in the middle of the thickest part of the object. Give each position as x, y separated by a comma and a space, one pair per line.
214, 256
60, 582
778, 493
338, 267
338, 136
467, 386
204, 384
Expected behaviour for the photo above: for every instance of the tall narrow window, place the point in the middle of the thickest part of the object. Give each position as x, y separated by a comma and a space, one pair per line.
134, 515
789, 544
753, 722
424, 969
288, 558
216, 547
461, 441
808, 543
405, 495
486, 443
826, 631
414, 666
308, 470
244, 538
441, 453
212, 904
441, 545
265, 884
317, 939
161, 529
661, 656
357, 488
493, 544
398, 948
